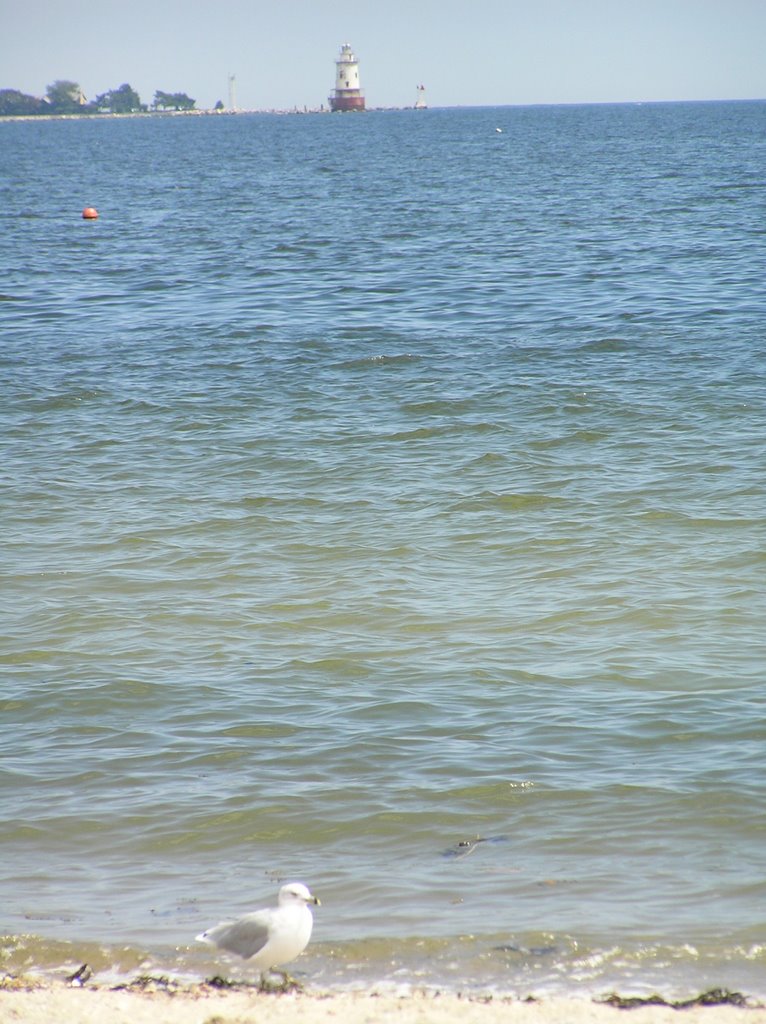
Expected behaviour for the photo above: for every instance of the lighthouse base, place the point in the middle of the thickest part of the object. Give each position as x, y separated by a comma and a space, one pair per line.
347, 99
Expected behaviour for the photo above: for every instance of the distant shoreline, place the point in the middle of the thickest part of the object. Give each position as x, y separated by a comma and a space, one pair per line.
152, 113
209, 112
176, 113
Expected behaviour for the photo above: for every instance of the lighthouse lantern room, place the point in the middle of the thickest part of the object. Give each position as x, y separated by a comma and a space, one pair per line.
347, 94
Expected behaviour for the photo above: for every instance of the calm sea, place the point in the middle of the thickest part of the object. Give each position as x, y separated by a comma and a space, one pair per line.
384, 507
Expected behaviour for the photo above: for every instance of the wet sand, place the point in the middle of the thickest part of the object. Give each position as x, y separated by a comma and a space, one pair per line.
202, 1004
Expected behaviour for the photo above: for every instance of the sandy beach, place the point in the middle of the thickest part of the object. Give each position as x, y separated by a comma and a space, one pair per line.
202, 1004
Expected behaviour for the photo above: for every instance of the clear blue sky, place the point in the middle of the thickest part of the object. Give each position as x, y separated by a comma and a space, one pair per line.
466, 52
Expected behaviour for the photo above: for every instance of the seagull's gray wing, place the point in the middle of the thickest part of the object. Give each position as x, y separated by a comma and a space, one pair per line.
246, 936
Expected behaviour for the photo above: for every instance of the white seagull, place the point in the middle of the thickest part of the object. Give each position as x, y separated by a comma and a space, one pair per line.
270, 937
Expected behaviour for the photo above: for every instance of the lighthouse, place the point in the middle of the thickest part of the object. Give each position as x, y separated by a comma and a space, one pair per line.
347, 95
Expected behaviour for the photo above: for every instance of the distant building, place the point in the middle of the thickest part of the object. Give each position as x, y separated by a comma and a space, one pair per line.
420, 102
347, 94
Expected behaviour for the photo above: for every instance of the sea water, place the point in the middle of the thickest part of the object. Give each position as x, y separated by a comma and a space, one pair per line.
384, 507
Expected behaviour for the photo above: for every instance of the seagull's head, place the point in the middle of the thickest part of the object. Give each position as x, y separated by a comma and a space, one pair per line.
297, 892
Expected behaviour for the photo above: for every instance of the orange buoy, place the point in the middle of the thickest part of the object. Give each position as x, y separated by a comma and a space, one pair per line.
90, 213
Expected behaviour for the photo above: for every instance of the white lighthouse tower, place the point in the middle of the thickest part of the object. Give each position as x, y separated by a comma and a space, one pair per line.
347, 94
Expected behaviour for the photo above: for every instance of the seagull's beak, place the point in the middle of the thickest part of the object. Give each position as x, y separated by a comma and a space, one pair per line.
316, 901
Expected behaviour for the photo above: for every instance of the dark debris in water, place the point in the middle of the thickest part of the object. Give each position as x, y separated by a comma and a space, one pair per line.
466, 846
282, 987
523, 951
150, 983
714, 997
224, 983
18, 983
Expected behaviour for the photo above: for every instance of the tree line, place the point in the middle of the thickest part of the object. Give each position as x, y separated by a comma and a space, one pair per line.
63, 97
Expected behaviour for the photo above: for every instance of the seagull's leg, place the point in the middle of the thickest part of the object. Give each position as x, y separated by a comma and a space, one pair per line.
287, 984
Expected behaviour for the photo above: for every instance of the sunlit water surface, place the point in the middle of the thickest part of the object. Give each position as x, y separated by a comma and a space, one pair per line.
373, 485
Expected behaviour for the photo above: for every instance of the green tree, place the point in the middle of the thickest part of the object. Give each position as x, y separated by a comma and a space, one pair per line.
172, 101
65, 97
124, 100
15, 103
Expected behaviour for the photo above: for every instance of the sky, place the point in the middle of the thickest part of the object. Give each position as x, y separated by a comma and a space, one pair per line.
465, 52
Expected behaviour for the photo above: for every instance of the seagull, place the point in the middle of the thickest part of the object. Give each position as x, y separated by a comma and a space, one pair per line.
269, 937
